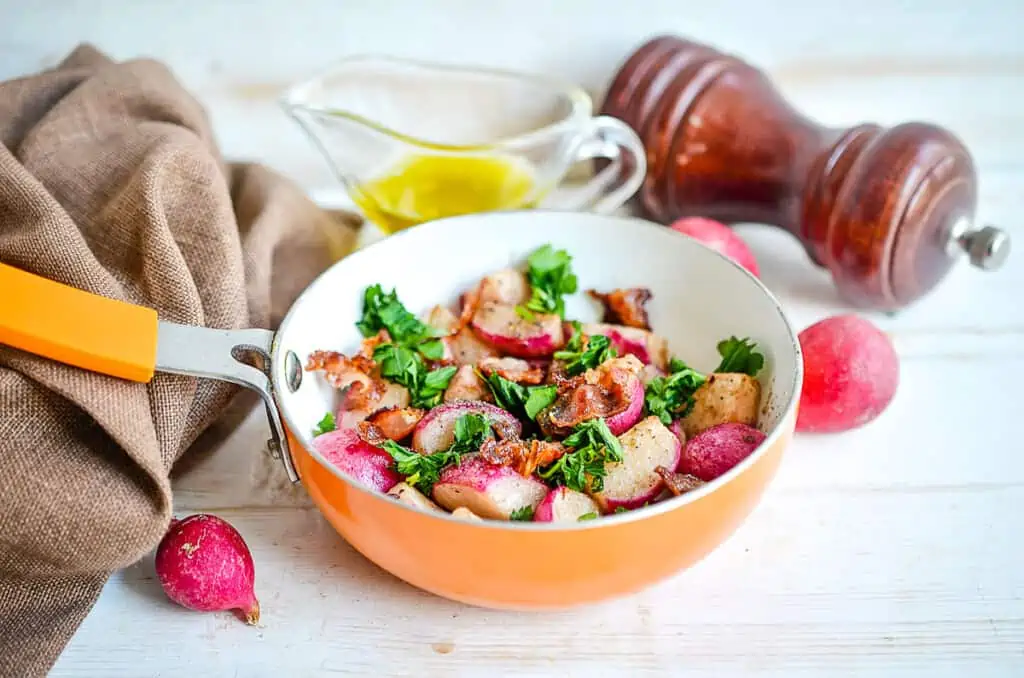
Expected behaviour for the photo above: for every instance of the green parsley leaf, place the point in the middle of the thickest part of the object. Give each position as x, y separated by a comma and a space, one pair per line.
518, 399
540, 398
420, 470
524, 513
621, 509
587, 516
471, 430
671, 396
551, 277
431, 391
385, 311
579, 358
738, 355
593, 445
325, 425
405, 367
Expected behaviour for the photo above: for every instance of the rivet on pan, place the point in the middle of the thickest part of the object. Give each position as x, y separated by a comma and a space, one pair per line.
292, 371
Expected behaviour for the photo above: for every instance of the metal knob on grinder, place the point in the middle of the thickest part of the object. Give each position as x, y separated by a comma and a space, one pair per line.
887, 210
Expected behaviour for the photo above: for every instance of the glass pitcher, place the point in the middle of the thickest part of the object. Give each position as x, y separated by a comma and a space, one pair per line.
413, 141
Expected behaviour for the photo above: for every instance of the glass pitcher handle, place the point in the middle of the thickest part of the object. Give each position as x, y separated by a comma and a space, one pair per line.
612, 140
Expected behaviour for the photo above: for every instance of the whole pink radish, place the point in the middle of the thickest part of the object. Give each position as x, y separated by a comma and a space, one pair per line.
204, 564
851, 372
720, 238
715, 450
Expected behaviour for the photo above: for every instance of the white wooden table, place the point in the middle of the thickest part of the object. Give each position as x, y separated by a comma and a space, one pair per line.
894, 550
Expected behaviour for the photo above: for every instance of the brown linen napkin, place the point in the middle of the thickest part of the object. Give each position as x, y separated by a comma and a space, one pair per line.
110, 181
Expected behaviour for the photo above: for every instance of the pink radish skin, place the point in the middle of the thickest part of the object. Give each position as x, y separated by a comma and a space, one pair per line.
488, 490
851, 372
436, 431
634, 481
648, 347
358, 459
625, 420
203, 564
562, 505
500, 326
714, 451
677, 431
720, 238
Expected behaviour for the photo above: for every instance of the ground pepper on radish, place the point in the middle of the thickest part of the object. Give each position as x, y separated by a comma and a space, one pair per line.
522, 414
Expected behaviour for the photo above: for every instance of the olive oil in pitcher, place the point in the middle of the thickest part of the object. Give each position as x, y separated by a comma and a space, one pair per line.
427, 187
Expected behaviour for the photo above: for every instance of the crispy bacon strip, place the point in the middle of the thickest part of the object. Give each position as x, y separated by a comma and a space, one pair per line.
678, 483
370, 433
625, 306
367, 347
396, 423
468, 303
513, 369
524, 456
602, 394
339, 370
362, 396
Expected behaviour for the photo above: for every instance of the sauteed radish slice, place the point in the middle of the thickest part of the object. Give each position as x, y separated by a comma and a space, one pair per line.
511, 411
634, 481
363, 462
436, 431
488, 490
562, 505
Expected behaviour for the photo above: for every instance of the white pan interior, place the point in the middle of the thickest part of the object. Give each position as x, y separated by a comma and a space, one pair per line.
699, 296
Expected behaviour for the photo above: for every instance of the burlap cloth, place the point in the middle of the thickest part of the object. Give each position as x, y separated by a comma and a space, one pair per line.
110, 181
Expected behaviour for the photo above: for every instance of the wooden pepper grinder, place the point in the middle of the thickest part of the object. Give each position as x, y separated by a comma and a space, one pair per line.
886, 210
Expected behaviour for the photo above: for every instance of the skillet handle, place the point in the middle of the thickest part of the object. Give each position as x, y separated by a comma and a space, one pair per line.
126, 341
77, 328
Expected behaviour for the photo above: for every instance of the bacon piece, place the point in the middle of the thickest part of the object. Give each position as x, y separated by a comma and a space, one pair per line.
396, 423
625, 306
339, 370
468, 303
513, 369
678, 483
466, 384
362, 396
370, 433
525, 456
602, 393
368, 345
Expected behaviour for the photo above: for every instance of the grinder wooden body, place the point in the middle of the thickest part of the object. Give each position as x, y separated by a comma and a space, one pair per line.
887, 210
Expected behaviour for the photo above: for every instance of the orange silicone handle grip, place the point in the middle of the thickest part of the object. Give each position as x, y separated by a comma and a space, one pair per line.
77, 328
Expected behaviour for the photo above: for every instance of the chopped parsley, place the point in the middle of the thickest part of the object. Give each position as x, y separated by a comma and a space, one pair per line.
524, 514
383, 311
587, 516
519, 399
592, 445
471, 430
406, 367
578, 359
551, 277
422, 471
621, 509
671, 397
738, 355
325, 425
